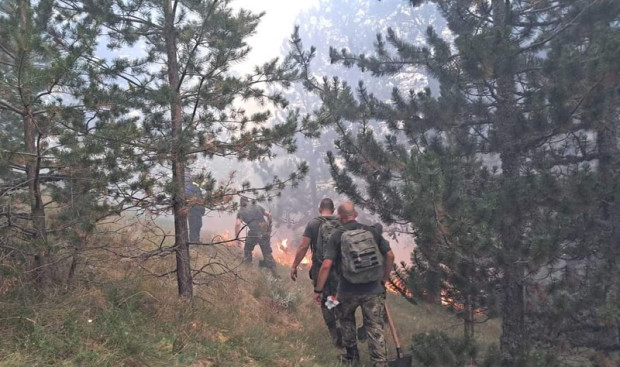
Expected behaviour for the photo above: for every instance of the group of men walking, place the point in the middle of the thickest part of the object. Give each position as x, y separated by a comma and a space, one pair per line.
351, 263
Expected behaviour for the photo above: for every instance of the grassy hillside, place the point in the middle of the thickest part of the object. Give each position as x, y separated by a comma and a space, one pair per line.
122, 314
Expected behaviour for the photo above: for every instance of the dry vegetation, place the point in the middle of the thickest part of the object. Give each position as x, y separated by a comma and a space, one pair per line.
122, 315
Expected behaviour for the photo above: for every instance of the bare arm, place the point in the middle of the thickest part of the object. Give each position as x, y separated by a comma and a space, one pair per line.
238, 225
389, 262
299, 255
323, 273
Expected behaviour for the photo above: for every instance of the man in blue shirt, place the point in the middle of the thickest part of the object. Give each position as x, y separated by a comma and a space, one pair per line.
196, 208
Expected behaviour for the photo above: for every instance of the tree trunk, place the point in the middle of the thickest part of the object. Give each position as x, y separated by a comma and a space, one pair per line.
80, 190
179, 205
37, 211
512, 340
607, 142
73, 266
468, 318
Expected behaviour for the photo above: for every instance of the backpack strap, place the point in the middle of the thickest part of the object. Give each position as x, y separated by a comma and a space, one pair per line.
323, 220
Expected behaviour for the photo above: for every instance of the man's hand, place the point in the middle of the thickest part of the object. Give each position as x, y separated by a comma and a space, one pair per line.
317, 298
384, 293
299, 255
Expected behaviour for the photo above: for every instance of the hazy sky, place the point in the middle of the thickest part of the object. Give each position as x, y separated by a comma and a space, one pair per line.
276, 25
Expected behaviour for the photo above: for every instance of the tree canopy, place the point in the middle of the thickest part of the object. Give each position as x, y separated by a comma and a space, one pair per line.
494, 171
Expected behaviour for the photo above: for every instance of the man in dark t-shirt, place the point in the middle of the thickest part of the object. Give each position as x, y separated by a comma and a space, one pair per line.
259, 231
369, 296
309, 241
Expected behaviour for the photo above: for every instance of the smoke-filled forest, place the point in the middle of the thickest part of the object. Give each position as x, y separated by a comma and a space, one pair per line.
476, 142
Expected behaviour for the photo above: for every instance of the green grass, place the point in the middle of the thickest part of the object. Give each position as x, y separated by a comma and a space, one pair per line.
132, 319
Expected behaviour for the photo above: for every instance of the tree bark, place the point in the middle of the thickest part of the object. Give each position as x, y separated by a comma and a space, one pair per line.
179, 205
468, 317
512, 340
607, 140
37, 210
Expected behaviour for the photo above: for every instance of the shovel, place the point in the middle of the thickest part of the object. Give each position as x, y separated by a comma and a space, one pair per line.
401, 360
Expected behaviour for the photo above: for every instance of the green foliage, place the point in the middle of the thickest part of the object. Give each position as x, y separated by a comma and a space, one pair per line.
61, 126
336, 28
540, 359
493, 357
82, 328
193, 106
439, 349
494, 171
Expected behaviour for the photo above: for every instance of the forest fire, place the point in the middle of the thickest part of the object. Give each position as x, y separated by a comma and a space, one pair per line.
285, 257
398, 290
450, 302
225, 238
457, 306
283, 246
282, 253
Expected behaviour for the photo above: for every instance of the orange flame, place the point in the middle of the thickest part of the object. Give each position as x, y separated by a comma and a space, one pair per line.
445, 300
285, 257
456, 306
225, 238
401, 289
282, 256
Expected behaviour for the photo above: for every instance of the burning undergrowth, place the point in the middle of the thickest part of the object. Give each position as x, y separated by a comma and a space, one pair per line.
285, 255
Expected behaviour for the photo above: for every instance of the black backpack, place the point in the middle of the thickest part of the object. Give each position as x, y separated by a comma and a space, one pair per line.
327, 227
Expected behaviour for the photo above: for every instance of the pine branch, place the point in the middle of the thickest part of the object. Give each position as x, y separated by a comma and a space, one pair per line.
8, 106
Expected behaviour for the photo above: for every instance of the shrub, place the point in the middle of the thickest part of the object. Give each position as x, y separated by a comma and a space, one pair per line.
437, 349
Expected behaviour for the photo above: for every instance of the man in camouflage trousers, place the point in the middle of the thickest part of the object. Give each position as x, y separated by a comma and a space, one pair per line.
369, 296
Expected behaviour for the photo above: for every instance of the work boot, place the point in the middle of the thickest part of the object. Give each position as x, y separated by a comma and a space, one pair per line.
351, 358
247, 259
269, 266
269, 261
336, 337
266, 264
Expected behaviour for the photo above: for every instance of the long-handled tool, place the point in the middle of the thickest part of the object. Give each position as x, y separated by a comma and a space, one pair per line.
401, 360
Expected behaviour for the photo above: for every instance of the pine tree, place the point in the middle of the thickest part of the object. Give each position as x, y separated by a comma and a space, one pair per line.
192, 104
350, 24
582, 301
54, 139
487, 170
